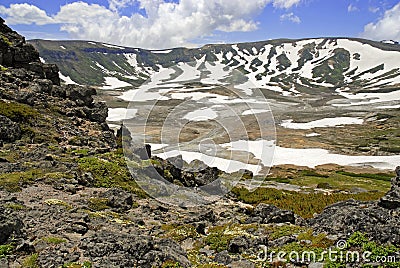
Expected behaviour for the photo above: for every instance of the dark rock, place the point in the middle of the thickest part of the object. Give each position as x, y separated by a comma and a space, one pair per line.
99, 112
111, 249
282, 241
118, 199
78, 227
9, 130
82, 95
144, 153
51, 73
223, 257
344, 218
9, 225
392, 198
238, 244
272, 214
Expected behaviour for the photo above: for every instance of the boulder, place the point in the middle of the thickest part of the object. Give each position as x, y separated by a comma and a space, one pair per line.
265, 213
392, 198
118, 199
9, 130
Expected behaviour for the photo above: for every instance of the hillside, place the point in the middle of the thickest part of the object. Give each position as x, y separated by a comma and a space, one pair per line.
291, 66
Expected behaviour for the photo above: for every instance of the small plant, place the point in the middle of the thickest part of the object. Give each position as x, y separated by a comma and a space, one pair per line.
54, 240
5, 250
14, 206
57, 202
85, 264
31, 261
97, 204
171, 264
18, 112
6, 40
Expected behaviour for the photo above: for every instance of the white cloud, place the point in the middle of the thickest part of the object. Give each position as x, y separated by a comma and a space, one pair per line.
374, 9
25, 14
386, 27
352, 8
290, 17
165, 25
285, 3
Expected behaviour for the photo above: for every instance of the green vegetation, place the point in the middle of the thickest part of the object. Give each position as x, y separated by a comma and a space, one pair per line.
179, 232
6, 250
218, 237
6, 40
14, 206
12, 182
31, 261
302, 204
110, 170
18, 112
98, 204
278, 231
85, 264
57, 202
171, 264
2, 68
54, 240
376, 176
358, 242
333, 179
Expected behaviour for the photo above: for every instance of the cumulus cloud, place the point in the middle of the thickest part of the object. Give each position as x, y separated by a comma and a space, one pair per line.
386, 27
165, 24
25, 14
290, 17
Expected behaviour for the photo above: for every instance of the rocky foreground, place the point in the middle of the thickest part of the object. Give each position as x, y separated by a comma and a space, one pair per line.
68, 200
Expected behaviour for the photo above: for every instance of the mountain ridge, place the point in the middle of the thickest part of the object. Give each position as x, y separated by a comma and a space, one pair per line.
281, 64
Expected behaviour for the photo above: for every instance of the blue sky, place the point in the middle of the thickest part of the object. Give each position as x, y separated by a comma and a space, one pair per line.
164, 24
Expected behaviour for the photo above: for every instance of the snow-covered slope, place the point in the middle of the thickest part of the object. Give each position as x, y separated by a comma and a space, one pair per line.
290, 67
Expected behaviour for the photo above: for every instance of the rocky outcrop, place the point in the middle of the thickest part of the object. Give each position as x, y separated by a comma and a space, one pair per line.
265, 213
379, 220
108, 249
392, 199
15, 52
9, 130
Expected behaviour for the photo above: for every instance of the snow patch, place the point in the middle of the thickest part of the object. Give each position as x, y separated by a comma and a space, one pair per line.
67, 80
114, 83
119, 114
203, 114
325, 122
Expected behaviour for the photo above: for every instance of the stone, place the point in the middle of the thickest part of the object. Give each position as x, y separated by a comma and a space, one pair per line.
391, 200
9, 130
118, 199
272, 214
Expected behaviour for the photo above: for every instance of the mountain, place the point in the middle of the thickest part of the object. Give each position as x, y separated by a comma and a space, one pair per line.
290, 67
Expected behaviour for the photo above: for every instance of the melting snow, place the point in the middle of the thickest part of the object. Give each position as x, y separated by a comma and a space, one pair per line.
203, 114
255, 111
114, 83
326, 122
119, 114
112, 46
67, 80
